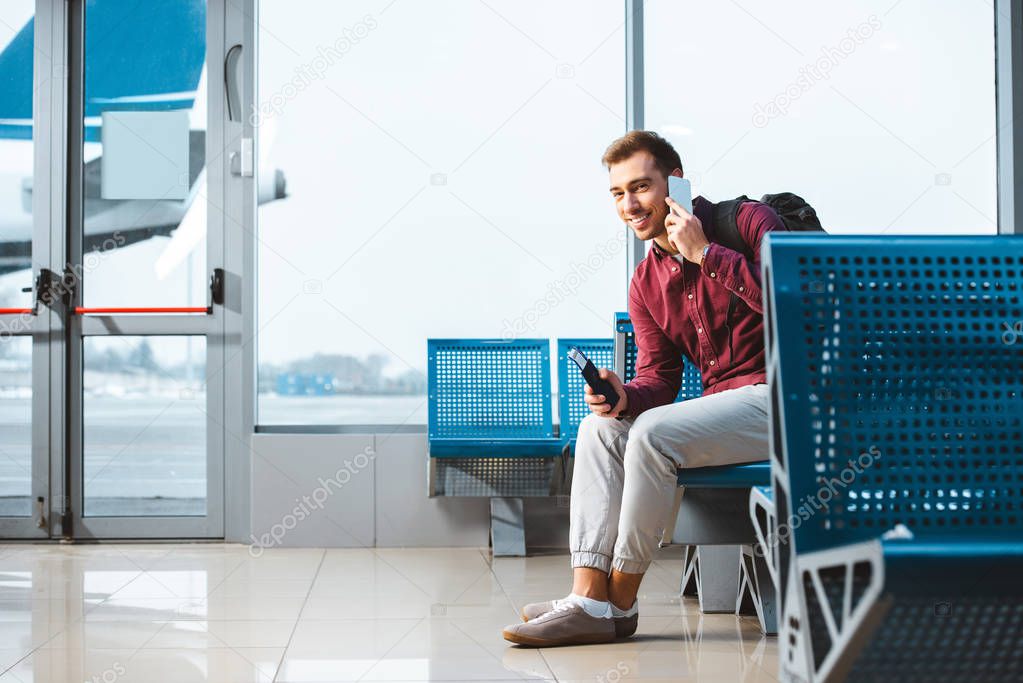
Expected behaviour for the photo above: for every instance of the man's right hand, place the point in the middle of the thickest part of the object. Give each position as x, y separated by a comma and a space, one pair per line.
598, 402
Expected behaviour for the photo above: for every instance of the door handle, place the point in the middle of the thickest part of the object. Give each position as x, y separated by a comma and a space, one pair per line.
231, 87
41, 507
242, 162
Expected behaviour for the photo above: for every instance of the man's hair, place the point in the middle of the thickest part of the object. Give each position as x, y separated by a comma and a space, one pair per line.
643, 141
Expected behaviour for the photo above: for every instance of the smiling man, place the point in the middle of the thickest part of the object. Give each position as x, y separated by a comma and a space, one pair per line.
692, 296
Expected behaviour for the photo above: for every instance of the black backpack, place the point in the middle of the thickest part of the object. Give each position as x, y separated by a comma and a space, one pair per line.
793, 210
797, 215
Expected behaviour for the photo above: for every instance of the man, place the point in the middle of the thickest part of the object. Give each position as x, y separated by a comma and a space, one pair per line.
691, 296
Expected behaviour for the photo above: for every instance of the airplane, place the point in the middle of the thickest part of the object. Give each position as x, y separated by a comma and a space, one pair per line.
139, 57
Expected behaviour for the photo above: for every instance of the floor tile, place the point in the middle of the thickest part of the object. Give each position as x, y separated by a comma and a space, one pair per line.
103, 635
252, 633
223, 665
243, 587
218, 612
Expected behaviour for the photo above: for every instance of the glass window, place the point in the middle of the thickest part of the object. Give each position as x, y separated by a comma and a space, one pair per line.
16, 175
144, 416
881, 114
440, 183
144, 178
16, 152
16, 426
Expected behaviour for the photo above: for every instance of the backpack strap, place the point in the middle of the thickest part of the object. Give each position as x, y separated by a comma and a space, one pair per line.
726, 226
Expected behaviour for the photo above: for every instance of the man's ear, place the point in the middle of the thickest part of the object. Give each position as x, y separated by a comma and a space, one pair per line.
677, 173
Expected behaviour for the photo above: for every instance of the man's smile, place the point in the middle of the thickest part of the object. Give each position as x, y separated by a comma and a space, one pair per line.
640, 220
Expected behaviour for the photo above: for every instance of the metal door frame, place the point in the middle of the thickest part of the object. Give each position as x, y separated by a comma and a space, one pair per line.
210, 326
47, 210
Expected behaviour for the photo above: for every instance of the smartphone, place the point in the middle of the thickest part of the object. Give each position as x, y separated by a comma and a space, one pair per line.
592, 377
681, 191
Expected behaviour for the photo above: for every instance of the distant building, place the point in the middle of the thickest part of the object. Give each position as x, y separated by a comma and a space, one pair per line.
304, 384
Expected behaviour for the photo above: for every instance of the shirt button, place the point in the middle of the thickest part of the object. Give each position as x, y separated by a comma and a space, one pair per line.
690, 296
740, 288
674, 269
699, 330
713, 274
712, 362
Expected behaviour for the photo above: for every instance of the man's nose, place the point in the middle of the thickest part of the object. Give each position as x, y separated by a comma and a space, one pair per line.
631, 202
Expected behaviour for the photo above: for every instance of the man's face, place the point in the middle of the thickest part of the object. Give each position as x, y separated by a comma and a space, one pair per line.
639, 188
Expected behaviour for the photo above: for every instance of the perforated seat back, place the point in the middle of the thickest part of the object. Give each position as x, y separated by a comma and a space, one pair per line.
625, 359
489, 389
571, 385
896, 367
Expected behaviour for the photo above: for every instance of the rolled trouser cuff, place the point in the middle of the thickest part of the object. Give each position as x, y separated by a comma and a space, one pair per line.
631, 566
591, 561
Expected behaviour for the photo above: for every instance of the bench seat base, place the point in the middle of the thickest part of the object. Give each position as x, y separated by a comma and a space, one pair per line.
906, 612
497, 477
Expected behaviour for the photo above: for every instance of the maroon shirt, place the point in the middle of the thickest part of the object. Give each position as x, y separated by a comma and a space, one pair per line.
681, 308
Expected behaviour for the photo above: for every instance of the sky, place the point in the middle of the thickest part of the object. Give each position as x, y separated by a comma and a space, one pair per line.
515, 102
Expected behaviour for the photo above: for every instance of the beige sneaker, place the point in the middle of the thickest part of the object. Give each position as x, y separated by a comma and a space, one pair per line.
624, 626
566, 624
535, 609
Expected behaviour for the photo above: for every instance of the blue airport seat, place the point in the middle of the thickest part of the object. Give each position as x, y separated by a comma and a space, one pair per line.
897, 458
490, 429
571, 385
494, 448
745, 475
490, 397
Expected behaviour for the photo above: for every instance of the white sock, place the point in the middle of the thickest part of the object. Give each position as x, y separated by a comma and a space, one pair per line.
595, 608
618, 613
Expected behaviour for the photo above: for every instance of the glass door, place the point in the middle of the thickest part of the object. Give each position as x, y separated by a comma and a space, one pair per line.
24, 498
144, 351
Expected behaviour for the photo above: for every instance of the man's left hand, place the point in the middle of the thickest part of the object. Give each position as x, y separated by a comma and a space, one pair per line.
685, 232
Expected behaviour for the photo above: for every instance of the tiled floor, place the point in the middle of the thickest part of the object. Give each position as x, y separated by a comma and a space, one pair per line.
151, 613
